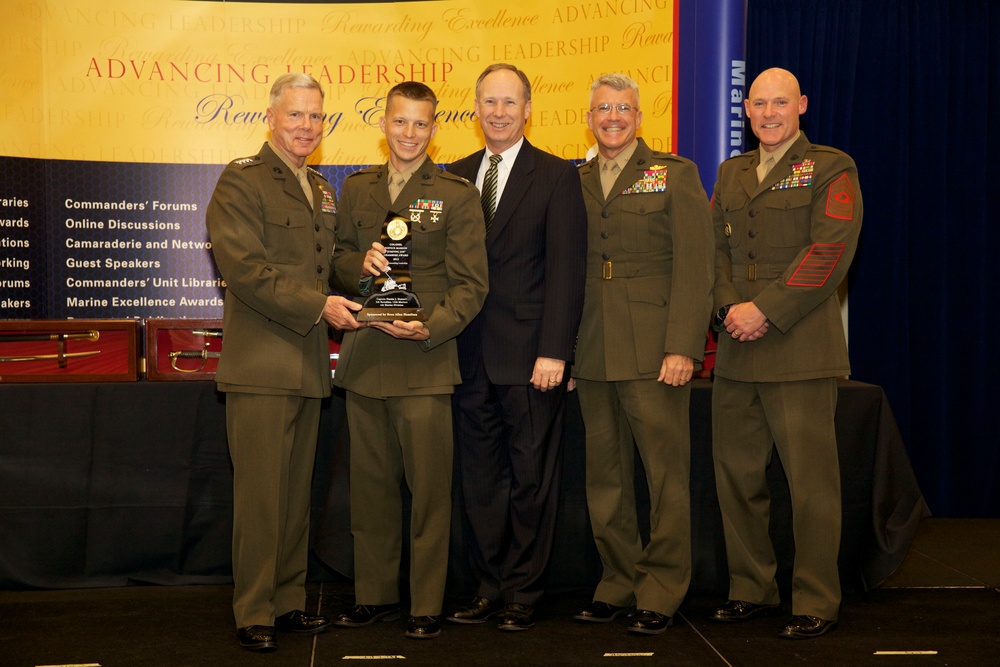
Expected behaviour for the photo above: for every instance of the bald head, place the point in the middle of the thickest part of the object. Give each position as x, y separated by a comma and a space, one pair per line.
773, 106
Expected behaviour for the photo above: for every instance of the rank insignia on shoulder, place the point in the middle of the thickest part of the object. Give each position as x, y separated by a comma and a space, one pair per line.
653, 180
802, 176
245, 160
840, 199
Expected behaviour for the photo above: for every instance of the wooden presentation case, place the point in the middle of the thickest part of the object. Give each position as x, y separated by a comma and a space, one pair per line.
201, 343
182, 349
69, 351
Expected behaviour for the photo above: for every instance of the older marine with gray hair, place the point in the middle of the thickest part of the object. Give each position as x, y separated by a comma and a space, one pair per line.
645, 318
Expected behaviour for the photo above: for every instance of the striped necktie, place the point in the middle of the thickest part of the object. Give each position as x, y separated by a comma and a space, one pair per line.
489, 194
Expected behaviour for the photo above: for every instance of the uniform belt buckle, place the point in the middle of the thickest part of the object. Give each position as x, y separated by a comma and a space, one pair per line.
606, 270
751, 272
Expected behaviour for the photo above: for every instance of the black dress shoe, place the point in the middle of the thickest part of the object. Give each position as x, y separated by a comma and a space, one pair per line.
257, 638
478, 611
600, 612
517, 616
735, 611
363, 615
647, 622
806, 627
301, 623
423, 627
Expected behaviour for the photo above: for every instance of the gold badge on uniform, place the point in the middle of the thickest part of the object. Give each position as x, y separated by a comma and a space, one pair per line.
729, 230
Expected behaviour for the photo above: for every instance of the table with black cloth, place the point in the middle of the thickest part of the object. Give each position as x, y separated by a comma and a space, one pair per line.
110, 484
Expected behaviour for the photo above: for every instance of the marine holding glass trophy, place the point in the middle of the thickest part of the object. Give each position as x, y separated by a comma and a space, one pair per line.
403, 219
393, 297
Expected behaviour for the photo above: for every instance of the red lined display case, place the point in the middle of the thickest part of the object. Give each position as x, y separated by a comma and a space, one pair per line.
69, 351
182, 349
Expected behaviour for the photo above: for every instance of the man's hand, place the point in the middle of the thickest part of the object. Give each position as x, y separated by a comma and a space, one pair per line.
745, 323
548, 373
338, 313
676, 370
414, 330
375, 262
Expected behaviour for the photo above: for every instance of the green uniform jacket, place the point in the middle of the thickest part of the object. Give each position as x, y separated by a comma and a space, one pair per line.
786, 245
649, 268
274, 253
448, 271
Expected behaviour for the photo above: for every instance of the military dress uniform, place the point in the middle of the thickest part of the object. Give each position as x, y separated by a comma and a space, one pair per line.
784, 243
399, 391
273, 247
648, 286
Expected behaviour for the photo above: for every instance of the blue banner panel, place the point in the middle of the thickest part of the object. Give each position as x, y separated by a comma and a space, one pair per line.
712, 83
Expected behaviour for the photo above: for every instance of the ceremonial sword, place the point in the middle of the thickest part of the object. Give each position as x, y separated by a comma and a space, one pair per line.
60, 338
191, 354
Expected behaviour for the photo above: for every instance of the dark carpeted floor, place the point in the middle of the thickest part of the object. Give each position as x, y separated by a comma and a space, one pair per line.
941, 608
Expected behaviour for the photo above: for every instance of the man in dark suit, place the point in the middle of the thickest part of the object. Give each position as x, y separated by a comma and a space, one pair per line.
648, 298
400, 375
787, 220
271, 222
514, 356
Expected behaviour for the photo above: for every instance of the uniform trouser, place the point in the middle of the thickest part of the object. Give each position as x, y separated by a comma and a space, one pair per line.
272, 443
508, 452
392, 439
656, 417
797, 417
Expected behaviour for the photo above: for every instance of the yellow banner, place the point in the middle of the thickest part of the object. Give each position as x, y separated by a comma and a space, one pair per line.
169, 81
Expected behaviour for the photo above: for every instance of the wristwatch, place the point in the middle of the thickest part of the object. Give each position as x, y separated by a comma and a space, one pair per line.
720, 318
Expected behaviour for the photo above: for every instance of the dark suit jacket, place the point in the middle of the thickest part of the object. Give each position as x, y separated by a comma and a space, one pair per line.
274, 253
537, 247
798, 229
